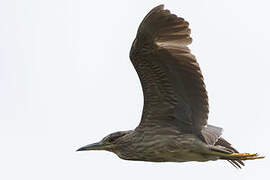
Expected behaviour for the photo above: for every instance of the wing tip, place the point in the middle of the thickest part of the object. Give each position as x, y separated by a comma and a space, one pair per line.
155, 9
159, 7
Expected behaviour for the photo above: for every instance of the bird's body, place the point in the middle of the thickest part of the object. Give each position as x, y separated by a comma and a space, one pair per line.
174, 125
171, 147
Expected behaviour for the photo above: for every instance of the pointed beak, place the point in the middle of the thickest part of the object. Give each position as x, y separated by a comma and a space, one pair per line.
94, 146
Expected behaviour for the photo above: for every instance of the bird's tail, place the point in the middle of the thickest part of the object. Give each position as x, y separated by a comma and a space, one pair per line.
235, 158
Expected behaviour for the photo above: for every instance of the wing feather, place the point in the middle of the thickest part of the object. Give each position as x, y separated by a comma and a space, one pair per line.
172, 82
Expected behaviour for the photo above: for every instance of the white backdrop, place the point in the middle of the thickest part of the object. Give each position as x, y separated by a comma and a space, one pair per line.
66, 81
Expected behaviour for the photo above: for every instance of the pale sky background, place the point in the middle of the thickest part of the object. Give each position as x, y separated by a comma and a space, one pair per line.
66, 81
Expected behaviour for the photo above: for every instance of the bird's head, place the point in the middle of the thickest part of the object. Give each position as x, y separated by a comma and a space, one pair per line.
108, 143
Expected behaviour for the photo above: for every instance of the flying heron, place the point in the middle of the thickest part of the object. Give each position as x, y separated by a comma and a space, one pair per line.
173, 126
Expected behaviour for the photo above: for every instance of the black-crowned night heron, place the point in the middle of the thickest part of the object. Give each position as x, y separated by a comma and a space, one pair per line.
174, 121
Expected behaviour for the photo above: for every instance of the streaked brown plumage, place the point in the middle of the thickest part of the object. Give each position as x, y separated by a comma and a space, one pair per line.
174, 120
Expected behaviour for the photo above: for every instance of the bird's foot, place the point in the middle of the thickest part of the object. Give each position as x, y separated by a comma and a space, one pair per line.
245, 156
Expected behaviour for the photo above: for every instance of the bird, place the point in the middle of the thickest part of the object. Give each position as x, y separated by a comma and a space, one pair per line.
173, 126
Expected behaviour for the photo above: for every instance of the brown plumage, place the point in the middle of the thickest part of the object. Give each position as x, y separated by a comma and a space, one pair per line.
173, 126
169, 73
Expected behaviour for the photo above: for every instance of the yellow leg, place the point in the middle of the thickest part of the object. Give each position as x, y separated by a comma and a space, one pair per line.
244, 156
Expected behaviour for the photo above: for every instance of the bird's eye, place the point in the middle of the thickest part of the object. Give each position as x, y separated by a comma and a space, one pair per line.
111, 139
107, 141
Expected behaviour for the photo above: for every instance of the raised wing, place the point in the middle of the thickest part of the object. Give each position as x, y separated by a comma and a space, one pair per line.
173, 87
